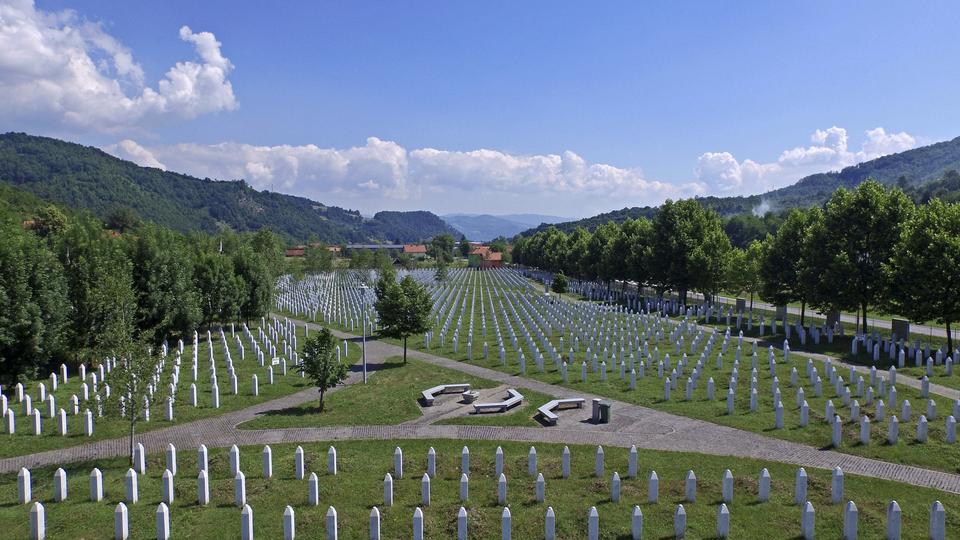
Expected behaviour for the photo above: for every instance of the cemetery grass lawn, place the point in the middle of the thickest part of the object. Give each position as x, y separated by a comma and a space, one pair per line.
841, 349
390, 397
935, 454
519, 416
109, 427
362, 465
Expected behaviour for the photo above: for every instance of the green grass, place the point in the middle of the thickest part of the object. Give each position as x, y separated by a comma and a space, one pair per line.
935, 454
358, 487
841, 349
390, 397
109, 427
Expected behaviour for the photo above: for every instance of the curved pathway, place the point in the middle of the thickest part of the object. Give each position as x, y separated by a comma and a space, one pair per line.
640, 426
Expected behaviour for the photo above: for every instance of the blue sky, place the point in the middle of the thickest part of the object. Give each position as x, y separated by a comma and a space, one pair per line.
550, 107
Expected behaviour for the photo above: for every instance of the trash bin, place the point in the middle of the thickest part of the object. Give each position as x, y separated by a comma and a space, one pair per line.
604, 412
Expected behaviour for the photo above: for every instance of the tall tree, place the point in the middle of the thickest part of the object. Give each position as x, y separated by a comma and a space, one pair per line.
404, 310
100, 285
221, 291
688, 249
632, 250
784, 264
559, 283
269, 245
464, 246
859, 234
258, 283
441, 248
319, 362
167, 299
130, 381
317, 258
574, 262
33, 314
923, 275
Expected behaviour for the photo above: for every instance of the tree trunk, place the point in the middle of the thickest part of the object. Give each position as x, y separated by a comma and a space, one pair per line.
949, 339
133, 427
803, 311
404, 349
864, 318
751, 303
683, 297
321, 400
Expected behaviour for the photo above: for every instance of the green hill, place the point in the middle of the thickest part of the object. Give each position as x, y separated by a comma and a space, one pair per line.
85, 177
921, 172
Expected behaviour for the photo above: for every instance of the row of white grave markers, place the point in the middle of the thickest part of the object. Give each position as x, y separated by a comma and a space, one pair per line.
94, 382
937, 522
24, 490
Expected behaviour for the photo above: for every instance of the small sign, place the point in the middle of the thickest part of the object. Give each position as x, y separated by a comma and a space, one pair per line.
275, 362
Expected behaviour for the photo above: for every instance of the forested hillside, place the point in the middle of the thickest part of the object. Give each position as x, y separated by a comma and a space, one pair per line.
86, 177
912, 170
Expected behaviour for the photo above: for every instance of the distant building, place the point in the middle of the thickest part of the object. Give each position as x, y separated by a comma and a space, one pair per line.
484, 257
417, 251
300, 251
375, 246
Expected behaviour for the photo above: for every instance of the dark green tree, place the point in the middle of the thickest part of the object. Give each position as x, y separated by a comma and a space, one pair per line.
559, 284
122, 219
688, 249
464, 246
404, 310
269, 245
100, 287
441, 248
221, 290
319, 362
317, 258
33, 314
167, 299
922, 271
858, 235
258, 283
785, 264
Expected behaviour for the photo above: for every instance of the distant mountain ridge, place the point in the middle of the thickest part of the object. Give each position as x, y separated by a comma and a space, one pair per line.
911, 169
484, 227
86, 177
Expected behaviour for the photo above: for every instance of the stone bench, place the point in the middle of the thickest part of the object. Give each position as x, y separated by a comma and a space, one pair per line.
429, 393
546, 410
513, 398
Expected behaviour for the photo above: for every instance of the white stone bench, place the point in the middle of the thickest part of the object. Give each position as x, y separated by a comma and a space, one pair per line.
513, 398
429, 393
546, 410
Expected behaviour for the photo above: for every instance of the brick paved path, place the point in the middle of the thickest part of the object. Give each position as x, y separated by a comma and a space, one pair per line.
640, 426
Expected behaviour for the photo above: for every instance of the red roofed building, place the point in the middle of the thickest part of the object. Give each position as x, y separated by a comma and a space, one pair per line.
484, 257
417, 251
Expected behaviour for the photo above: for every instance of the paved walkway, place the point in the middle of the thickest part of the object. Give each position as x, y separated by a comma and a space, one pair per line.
640, 426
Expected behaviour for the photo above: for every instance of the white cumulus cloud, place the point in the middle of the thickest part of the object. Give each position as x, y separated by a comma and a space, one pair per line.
721, 173
390, 172
59, 69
